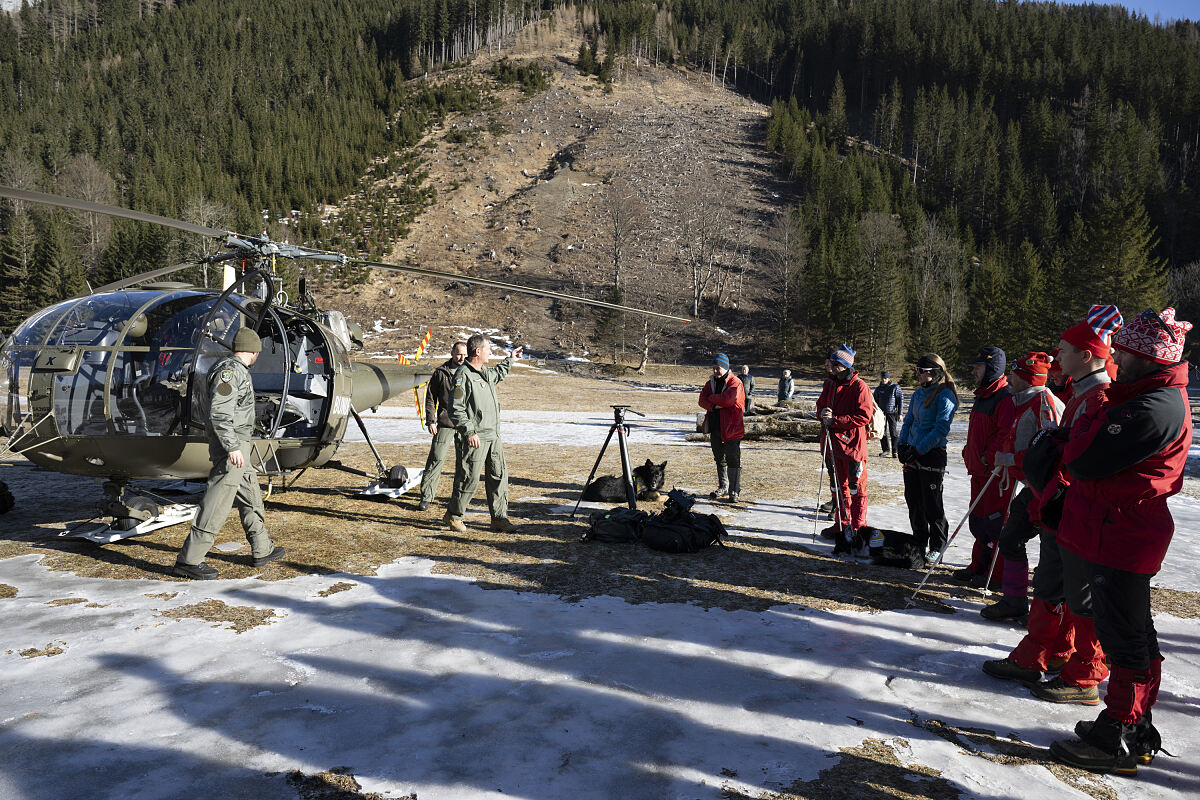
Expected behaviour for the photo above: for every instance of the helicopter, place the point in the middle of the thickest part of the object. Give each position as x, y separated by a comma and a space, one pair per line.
110, 384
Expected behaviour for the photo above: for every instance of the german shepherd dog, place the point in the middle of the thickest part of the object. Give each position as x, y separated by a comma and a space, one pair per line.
648, 481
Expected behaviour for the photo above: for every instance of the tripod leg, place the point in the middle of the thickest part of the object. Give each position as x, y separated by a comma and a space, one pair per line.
596, 466
630, 493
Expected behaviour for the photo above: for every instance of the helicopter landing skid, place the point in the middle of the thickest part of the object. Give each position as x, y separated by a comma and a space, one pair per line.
101, 533
382, 489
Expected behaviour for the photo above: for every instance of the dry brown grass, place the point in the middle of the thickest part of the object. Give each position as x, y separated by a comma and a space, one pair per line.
239, 618
49, 650
7, 591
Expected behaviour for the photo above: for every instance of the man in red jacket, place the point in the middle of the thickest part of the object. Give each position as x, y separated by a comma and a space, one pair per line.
1116, 528
845, 408
725, 401
991, 420
1061, 637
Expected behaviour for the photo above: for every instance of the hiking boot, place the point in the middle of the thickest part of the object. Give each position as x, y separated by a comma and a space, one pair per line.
1146, 739
831, 533
1055, 665
423, 505
722, 483
826, 507
197, 572
1059, 691
980, 580
454, 523
963, 575
1105, 749
1006, 609
274, 555
733, 497
501, 524
1008, 670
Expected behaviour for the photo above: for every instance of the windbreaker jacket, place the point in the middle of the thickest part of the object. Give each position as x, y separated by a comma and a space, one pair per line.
927, 428
1088, 396
852, 408
1034, 409
1125, 465
991, 420
438, 394
731, 401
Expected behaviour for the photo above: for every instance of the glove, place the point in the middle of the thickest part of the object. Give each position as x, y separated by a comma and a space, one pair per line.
1005, 460
907, 453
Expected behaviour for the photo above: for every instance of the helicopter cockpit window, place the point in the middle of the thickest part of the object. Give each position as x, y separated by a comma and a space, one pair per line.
17, 357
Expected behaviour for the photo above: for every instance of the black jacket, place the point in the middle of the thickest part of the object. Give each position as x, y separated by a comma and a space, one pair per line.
437, 395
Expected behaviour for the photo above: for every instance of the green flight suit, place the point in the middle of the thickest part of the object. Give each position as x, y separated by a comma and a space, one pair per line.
475, 411
230, 426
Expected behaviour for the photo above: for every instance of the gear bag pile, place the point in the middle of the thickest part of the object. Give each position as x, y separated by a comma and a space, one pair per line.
676, 529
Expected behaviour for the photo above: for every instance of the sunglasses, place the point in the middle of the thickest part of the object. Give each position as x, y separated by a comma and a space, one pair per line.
1150, 315
927, 369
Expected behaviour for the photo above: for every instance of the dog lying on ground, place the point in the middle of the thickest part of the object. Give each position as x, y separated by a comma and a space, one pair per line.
648, 481
884, 548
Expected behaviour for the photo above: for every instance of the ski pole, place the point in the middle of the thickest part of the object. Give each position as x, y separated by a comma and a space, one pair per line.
820, 480
992, 569
946, 546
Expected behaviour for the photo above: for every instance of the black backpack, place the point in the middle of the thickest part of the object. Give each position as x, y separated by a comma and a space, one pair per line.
678, 529
617, 525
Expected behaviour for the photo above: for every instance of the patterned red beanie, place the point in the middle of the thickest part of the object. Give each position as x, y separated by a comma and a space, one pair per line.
1033, 368
1095, 333
1153, 336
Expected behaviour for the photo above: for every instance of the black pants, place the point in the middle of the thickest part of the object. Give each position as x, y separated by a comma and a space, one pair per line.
725, 453
1124, 625
1018, 529
1047, 580
1077, 575
923, 494
890, 432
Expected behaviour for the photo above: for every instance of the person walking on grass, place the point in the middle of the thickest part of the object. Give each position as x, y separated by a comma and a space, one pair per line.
922, 452
845, 408
724, 400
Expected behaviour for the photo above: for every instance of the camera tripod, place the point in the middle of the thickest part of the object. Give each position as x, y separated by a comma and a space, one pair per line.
622, 431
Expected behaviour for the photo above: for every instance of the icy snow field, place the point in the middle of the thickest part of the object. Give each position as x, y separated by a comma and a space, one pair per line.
426, 684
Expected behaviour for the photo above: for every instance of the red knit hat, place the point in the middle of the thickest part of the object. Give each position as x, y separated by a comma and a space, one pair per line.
1095, 333
1153, 336
1033, 368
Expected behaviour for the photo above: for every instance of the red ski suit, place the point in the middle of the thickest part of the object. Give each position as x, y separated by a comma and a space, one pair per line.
845, 448
732, 402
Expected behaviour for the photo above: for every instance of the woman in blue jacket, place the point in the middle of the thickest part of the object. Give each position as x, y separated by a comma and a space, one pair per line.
922, 451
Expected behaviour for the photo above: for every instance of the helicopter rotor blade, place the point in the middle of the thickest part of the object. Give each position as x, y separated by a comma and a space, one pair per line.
512, 287
116, 286
100, 208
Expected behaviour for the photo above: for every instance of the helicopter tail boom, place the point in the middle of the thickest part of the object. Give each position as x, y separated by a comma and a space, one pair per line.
373, 384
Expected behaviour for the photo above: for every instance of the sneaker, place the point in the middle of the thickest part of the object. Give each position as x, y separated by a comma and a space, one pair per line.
963, 575
932, 555
423, 505
197, 572
831, 533
1057, 690
274, 555
733, 497
501, 524
1008, 670
454, 523
1006, 609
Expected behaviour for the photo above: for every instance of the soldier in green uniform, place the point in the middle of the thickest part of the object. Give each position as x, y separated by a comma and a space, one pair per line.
437, 420
475, 413
233, 480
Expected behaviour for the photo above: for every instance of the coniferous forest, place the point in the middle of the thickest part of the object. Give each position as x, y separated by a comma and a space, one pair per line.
966, 169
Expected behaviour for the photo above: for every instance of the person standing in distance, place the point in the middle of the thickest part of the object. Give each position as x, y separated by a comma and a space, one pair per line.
787, 387
723, 397
889, 398
437, 419
475, 414
233, 481
747, 385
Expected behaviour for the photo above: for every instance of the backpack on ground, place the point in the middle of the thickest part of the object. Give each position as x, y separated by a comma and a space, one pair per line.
678, 529
618, 525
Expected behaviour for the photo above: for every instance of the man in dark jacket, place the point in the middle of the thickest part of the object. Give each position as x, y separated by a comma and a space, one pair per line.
889, 398
1116, 528
747, 385
787, 387
437, 421
725, 401
991, 419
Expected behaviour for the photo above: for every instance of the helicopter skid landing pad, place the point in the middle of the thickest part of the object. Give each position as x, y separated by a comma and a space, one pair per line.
378, 489
101, 533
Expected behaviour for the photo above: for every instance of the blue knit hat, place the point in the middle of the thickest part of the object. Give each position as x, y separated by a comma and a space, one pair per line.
721, 360
994, 362
844, 355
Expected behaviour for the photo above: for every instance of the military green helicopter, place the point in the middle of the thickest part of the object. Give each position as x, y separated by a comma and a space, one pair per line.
110, 384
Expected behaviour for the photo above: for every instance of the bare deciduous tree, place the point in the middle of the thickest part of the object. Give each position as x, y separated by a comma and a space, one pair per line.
85, 179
